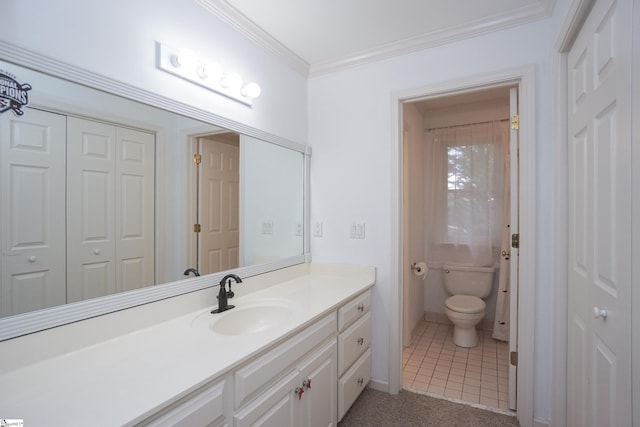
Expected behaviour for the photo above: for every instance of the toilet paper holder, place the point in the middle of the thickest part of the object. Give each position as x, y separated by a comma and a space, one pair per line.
416, 267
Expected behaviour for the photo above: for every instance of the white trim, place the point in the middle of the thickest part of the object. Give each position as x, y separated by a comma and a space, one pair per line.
243, 25
22, 324
539, 423
572, 25
635, 214
467, 30
378, 385
524, 77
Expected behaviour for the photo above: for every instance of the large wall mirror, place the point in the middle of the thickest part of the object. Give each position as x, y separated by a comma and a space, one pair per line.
108, 202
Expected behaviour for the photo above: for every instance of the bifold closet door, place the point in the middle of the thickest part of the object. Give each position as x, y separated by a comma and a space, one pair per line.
110, 209
33, 211
600, 220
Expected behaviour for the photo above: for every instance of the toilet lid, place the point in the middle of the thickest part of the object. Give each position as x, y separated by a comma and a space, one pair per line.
465, 304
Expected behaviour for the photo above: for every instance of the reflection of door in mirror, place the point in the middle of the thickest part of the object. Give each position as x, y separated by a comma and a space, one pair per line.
108, 242
33, 216
110, 209
218, 197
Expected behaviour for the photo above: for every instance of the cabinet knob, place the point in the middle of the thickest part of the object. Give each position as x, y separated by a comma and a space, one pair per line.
32, 258
306, 384
299, 391
361, 341
96, 251
361, 307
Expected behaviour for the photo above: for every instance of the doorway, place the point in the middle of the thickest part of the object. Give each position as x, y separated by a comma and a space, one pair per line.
216, 202
524, 325
457, 209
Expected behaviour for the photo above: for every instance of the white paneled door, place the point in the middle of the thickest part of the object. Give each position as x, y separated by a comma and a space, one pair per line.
110, 209
33, 211
599, 170
218, 246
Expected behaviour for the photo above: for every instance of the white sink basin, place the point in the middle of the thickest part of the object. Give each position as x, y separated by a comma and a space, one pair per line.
246, 318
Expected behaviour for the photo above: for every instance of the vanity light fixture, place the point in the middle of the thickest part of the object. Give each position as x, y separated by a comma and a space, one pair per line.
187, 65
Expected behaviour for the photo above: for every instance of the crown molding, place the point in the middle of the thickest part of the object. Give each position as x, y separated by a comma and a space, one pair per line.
452, 34
239, 22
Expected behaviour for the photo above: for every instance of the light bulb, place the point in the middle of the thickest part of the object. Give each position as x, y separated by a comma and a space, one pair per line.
233, 80
184, 58
251, 90
210, 69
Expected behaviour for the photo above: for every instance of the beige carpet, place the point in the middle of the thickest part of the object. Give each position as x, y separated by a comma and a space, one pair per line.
406, 409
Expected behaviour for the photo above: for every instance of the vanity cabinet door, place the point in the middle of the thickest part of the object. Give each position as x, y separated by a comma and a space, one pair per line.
205, 407
252, 378
318, 403
275, 407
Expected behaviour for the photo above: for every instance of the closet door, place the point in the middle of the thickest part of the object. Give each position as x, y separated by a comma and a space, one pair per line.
91, 181
135, 204
33, 209
600, 220
110, 209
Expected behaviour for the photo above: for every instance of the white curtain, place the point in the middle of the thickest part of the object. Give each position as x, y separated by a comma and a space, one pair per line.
466, 176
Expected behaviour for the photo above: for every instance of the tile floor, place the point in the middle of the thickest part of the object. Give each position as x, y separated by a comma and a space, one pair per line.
433, 363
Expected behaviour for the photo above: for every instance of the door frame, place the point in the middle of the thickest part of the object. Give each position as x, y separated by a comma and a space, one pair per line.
524, 79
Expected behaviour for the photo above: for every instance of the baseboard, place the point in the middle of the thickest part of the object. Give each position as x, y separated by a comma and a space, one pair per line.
539, 423
379, 385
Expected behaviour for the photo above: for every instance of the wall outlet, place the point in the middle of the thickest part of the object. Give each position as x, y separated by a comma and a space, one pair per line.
317, 229
357, 230
267, 227
299, 229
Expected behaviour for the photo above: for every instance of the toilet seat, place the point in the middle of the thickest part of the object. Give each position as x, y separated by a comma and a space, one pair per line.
465, 304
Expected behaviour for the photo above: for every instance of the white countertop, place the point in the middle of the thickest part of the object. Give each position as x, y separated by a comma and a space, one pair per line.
126, 379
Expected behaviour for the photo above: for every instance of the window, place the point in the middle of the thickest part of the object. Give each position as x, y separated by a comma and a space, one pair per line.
470, 192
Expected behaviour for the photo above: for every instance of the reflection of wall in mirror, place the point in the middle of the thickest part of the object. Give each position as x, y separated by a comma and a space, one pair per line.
272, 219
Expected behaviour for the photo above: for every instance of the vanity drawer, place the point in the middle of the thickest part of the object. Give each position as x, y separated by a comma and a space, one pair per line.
351, 384
252, 377
201, 408
353, 342
352, 311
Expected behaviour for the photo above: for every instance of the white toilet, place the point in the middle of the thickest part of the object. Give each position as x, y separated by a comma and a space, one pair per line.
465, 308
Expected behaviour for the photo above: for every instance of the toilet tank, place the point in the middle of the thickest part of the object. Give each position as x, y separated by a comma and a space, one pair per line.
468, 280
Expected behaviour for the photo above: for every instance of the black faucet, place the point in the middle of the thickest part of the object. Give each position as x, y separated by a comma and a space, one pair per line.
191, 270
223, 294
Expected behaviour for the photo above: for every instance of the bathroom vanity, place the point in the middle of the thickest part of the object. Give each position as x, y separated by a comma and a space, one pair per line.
295, 351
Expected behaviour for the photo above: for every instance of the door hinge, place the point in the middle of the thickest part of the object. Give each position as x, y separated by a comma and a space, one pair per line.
514, 358
515, 241
197, 159
515, 122
196, 228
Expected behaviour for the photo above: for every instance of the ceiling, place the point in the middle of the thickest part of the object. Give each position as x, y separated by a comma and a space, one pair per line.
319, 36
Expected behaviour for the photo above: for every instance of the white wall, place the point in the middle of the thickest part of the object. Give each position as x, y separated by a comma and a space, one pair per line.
117, 38
350, 132
271, 178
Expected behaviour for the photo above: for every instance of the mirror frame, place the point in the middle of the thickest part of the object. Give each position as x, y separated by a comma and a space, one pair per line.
27, 323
